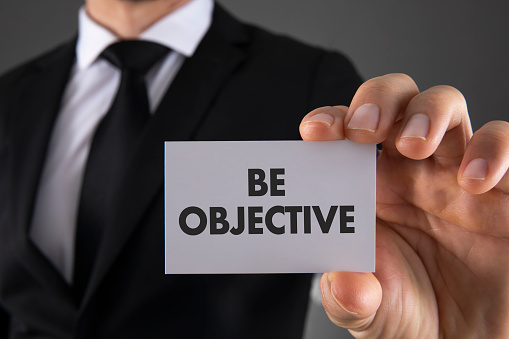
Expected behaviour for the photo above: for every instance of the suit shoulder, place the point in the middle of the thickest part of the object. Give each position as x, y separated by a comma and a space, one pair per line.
329, 76
279, 46
277, 54
20, 73
13, 83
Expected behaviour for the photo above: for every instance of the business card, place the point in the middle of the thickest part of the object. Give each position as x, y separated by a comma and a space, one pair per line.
269, 207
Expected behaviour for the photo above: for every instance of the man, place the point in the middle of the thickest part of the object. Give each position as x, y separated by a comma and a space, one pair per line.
442, 197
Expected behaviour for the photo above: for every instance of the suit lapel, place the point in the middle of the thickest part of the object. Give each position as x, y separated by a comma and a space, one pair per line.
177, 118
32, 126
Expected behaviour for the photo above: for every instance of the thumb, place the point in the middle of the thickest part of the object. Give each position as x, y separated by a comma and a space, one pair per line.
351, 299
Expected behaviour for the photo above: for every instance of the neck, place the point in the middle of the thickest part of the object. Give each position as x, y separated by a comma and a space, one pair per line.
129, 18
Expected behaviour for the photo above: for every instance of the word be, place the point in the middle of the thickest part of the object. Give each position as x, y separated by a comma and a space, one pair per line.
257, 185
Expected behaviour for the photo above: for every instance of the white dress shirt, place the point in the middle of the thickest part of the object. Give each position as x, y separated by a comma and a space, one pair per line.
92, 86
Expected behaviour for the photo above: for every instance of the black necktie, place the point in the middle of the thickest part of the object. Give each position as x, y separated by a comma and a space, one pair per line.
110, 150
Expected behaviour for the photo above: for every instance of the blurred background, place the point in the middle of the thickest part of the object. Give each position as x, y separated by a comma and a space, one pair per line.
462, 43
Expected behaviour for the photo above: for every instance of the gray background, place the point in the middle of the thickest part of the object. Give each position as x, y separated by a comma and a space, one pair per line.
463, 43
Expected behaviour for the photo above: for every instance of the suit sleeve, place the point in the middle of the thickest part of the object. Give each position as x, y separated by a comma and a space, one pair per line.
4, 324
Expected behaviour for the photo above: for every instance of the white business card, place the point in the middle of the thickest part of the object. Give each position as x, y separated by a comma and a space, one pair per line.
269, 207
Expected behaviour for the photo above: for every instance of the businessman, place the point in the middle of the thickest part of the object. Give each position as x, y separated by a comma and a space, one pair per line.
69, 162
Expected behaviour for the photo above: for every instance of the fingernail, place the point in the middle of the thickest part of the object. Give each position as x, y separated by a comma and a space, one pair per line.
323, 118
417, 127
477, 169
365, 117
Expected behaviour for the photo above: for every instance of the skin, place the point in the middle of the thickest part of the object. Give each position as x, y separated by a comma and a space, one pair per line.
442, 231
128, 19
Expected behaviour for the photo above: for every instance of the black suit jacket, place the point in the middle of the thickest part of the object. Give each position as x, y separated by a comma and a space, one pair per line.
242, 84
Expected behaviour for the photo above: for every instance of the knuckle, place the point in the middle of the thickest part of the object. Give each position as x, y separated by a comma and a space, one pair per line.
401, 77
445, 93
393, 84
497, 125
377, 84
443, 99
495, 133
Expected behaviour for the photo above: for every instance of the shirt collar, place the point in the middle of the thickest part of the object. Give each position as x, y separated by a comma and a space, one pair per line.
182, 30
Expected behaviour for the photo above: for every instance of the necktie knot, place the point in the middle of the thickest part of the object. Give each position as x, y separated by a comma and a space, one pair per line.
134, 55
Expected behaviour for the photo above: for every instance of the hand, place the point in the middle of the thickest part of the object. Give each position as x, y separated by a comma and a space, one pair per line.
442, 209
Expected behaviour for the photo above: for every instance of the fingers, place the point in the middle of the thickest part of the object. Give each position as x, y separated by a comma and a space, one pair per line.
486, 160
376, 105
409, 123
390, 110
351, 299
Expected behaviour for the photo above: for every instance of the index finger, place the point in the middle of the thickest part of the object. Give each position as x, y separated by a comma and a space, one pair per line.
377, 105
